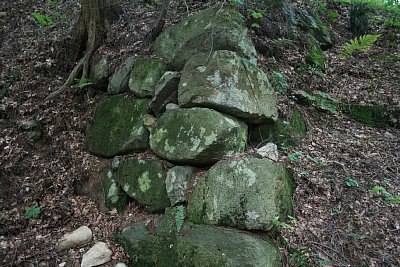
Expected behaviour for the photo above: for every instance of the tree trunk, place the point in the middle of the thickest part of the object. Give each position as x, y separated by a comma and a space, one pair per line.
89, 35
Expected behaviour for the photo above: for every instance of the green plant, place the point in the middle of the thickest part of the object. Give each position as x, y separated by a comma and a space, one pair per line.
359, 21
81, 83
333, 15
358, 44
278, 81
32, 212
43, 20
350, 182
388, 197
322, 101
179, 217
255, 26
256, 14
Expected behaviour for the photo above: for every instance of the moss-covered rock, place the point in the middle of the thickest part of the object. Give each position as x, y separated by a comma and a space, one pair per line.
197, 136
145, 75
376, 116
199, 246
117, 127
283, 133
247, 193
209, 30
144, 180
227, 83
119, 80
114, 196
315, 55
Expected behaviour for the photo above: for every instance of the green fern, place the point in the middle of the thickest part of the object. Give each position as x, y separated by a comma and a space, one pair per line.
358, 44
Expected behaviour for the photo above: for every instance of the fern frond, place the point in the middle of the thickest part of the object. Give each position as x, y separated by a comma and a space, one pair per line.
358, 44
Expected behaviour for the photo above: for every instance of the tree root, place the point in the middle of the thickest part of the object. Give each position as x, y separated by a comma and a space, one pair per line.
83, 65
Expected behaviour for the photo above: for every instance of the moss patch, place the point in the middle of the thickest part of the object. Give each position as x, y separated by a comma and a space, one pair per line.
376, 116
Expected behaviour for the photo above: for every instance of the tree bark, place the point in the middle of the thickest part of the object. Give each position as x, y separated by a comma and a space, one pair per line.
89, 35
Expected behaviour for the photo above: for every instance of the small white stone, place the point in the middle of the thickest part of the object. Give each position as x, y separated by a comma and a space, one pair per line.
98, 254
270, 151
171, 106
80, 236
388, 135
62, 264
121, 264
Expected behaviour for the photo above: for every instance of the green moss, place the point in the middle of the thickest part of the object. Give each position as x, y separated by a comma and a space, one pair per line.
370, 115
316, 57
117, 127
280, 132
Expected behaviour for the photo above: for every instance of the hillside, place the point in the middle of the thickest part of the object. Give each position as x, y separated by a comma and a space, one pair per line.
346, 173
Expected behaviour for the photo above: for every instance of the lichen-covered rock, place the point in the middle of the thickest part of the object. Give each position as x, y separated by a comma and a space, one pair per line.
117, 127
245, 193
212, 29
144, 180
114, 196
166, 92
197, 136
177, 182
228, 84
119, 80
145, 75
99, 73
310, 23
283, 133
200, 246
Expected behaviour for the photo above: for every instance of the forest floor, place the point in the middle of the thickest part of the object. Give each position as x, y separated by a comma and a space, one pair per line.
340, 221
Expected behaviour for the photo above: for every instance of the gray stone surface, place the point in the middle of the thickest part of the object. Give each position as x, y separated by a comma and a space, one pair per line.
246, 193
197, 136
80, 236
99, 254
119, 80
211, 29
145, 75
228, 84
166, 92
177, 183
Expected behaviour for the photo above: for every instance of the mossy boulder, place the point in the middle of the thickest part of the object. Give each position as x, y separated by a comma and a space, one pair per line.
117, 127
214, 28
309, 23
246, 193
114, 196
281, 132
144, 181
166, 92
197, 136
227, 83
376, 116
145, 75
199, 246
119, 80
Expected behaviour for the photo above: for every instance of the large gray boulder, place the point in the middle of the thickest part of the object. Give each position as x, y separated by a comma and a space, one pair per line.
144, 181
99, 73
199, 246
228, 84
117, 127
145, 75
246, 193
212, 29
197, 136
